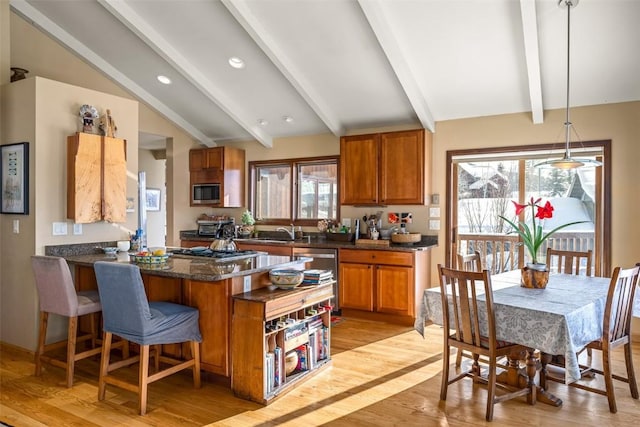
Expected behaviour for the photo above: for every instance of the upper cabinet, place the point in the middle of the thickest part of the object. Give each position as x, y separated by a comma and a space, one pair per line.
96, 178
385, 168
219, 165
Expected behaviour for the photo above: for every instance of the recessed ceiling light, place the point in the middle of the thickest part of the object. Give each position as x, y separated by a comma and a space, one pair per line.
263, 122
287, 119
164, 80
236, 62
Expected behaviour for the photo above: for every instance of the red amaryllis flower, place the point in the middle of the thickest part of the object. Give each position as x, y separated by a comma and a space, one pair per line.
545, 211
532, 238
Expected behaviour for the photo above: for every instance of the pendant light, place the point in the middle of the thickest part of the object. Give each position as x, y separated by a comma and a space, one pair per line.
568, 162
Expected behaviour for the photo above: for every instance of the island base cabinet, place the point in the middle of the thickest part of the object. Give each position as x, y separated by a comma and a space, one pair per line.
212, 300
272, 350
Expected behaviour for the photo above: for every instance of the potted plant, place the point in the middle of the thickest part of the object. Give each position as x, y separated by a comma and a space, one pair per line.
535, 273
248, 223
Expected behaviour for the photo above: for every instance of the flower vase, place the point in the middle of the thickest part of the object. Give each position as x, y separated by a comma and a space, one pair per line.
534, 276
246, 230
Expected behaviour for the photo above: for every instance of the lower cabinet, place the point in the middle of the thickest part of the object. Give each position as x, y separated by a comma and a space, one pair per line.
380, 281
279, 339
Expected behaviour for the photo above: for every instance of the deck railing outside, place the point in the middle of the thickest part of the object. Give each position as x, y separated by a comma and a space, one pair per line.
500, 252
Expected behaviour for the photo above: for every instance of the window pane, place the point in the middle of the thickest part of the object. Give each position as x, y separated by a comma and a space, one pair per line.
317, 193
273, 192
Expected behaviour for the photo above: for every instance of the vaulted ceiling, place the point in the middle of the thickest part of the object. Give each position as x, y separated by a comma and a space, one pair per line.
316, 66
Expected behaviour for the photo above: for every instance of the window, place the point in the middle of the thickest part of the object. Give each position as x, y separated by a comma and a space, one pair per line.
299, 191
484, 182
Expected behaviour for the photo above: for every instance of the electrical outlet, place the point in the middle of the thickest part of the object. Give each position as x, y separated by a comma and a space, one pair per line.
434, 224
60, 229
434, 212
77, 229
246, 285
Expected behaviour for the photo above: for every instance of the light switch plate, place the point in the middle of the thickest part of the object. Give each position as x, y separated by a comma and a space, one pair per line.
246, 284
434, 224
434, 212
16, 226
60, 229
77, 229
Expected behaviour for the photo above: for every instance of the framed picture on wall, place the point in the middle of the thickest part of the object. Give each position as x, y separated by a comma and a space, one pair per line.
153, 199
14, 171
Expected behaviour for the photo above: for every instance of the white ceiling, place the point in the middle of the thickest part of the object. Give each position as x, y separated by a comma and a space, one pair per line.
341, 65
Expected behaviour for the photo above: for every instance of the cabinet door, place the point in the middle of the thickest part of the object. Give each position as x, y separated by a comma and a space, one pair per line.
356, 286
359, 169
212, 299
84, 177
402, 168
394, 289
206, 158
114, 203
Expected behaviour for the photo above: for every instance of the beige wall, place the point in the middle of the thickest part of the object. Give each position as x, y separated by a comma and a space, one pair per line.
155, 176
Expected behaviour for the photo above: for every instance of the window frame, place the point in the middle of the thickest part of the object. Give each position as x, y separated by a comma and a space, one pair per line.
293, 170
602, 264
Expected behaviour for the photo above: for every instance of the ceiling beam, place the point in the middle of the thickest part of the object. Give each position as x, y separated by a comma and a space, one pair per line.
375, 14
532, 57
242, 13
39, 20
162, 47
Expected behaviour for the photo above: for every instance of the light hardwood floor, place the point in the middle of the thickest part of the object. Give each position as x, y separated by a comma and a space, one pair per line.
382, 375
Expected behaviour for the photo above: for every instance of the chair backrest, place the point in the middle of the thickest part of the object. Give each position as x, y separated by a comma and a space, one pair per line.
461, 306
125, 308
470, 262
619, 306
54, 284
569, 262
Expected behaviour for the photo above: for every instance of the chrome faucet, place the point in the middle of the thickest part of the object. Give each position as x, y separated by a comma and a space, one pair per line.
291, 233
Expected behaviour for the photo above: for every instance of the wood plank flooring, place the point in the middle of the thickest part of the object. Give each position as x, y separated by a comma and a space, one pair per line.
382, 375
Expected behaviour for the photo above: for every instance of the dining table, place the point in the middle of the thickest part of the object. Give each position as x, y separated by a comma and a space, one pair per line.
560, 319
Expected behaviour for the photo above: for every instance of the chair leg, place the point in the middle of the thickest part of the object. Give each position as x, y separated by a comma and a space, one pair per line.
631, 375
44, 316
195, 352
445, 372
143, 379
156, 357
94, 329
608, 380
458, 358
71, 349
104, 364
491, 389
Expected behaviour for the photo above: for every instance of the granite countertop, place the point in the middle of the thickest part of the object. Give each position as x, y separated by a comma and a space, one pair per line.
317, 241
179, 266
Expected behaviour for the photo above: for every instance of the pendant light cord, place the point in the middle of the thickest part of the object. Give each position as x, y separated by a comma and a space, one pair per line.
567, 122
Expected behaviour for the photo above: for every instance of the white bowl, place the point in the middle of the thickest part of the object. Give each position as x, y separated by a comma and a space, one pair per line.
110, 250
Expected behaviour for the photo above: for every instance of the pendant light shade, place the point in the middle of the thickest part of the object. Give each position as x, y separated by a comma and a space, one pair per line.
568, 162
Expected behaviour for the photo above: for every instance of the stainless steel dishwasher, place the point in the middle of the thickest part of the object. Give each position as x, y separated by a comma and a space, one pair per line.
324, 259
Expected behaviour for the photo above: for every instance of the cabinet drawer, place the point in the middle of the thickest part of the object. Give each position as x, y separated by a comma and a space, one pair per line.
376, 257
285, 304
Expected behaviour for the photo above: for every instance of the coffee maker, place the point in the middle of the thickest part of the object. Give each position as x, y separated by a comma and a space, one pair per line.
219, 229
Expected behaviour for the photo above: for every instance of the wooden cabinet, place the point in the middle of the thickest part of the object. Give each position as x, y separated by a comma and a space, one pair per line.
219, 165
269, 324
384, 282
206, 158
385, 168
96, 178
212, 299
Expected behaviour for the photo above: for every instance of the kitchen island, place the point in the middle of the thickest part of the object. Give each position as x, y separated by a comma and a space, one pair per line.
206, 284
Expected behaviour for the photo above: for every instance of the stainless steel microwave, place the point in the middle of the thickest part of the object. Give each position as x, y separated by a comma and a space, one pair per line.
205, 194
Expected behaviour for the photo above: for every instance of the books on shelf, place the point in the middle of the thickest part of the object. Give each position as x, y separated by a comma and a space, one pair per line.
317, 277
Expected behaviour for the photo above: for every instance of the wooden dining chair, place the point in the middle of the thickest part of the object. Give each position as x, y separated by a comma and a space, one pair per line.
568, 262
468, 262
463, 322
616, 332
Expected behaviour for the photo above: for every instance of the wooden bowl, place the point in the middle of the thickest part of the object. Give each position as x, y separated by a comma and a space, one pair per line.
406, 237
